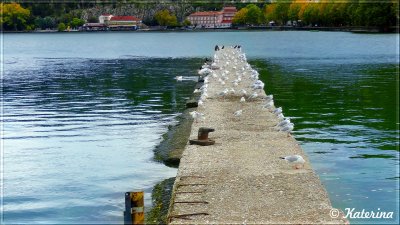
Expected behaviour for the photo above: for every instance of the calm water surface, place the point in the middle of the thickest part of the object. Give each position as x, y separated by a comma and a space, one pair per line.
83, 112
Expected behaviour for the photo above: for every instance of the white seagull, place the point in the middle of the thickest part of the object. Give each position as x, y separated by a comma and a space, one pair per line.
205, 71
269, 104
196, 116
200, 103
295, 160
284, 122
238, 113
287, 128
277, 111
253, 96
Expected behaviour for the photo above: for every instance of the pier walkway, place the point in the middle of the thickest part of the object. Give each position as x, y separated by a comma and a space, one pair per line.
241, 178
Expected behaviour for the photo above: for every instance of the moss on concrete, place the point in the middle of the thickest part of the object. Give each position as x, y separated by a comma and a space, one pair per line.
170, 149
161, 196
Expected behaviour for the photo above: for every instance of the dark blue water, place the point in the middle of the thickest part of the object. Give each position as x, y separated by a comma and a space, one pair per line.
83, 112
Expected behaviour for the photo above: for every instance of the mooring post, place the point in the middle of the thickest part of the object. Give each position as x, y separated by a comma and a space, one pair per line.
202, 137
134, 207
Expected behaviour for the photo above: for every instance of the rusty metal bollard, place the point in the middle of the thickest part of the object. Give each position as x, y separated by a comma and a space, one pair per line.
134, 207
202, 137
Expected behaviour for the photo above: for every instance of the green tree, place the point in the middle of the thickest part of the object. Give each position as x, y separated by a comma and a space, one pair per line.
66, 18
164, 18
253, 15
14, 17
281, 11
61, 27
377, 14
293, 11
310, 14
186, 23
76, 22
93, 19
45, 23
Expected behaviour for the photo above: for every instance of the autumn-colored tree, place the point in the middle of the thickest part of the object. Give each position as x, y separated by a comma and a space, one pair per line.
240, 17
251, 14
164, 18
269, 12
14, 17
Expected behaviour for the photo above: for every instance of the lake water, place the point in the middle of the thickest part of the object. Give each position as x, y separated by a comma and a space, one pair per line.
83, 112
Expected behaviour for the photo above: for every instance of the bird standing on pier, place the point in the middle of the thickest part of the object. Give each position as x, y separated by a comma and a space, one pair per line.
258, 85
253, 96
284, 122
243, 92
197, 116
280, 116
223, 93
296, 160
277, 111
287, 128
238, 113
200, 103
269, 104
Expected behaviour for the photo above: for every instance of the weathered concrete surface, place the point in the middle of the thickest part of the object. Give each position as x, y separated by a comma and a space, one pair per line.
241, 178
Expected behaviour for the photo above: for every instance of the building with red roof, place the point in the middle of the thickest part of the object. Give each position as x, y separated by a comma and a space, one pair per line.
228, 14
213, 19
111, 22
210, 19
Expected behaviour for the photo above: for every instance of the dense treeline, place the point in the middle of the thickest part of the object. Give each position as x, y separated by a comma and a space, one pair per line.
17, 16
50, 14
53, 14
322, 13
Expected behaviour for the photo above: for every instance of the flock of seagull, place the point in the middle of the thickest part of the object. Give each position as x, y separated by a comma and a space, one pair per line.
239, 80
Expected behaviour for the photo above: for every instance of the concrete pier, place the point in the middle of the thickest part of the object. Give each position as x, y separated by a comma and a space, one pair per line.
241, 178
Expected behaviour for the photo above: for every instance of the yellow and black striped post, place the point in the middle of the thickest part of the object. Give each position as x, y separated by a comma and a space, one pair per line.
134, 207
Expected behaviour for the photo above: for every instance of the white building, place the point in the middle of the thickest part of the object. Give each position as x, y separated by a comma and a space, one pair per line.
105, 18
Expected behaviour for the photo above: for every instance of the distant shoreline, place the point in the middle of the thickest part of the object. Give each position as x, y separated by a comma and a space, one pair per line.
252, 28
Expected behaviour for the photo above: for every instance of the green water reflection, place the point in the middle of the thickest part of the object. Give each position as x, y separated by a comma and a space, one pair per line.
346, 120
